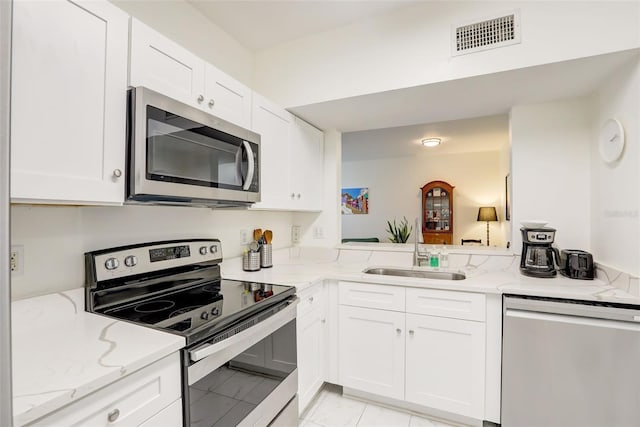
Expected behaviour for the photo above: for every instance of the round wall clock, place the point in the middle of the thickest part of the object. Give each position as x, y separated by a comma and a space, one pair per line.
611, 140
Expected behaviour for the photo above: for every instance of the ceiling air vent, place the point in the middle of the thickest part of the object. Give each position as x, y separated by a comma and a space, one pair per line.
488, 34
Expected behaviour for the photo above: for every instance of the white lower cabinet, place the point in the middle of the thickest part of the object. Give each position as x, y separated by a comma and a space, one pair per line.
372, 350
445, 361
310, 356
312, 330
152, 393
435, 361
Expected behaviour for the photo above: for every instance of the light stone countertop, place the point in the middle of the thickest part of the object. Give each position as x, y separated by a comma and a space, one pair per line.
487, 271
62, 353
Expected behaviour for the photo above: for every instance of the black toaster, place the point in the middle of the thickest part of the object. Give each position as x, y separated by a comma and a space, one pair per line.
576, 264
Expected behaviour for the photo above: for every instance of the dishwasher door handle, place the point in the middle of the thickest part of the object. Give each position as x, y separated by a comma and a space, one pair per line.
574, 320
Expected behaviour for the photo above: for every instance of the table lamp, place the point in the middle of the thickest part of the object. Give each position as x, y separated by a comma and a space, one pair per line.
487, 213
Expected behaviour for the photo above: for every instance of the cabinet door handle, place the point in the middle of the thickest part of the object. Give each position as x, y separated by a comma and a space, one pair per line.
293, 195
310, 299
411, 332
298, 195
211, 103
117, 173
200, 99
113, 415
398, 330
324, 320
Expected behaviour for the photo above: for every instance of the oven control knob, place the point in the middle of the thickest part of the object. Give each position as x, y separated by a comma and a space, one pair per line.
204, 315
203, 250
213, 249
215, 311
111, 264
130, 260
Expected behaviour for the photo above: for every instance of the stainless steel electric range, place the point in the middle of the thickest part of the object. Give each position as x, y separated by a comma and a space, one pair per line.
239, 363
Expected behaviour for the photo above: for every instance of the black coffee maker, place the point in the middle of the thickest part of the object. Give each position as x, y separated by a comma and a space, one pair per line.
538, 258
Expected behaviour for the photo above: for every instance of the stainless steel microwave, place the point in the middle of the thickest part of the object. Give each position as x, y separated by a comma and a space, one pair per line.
180, 155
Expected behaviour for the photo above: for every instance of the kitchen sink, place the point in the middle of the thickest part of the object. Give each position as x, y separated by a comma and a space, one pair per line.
421, 274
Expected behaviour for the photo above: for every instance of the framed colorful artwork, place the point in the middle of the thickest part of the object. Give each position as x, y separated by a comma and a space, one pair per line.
355, 201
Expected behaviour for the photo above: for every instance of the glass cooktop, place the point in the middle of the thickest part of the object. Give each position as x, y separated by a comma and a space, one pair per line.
206, 304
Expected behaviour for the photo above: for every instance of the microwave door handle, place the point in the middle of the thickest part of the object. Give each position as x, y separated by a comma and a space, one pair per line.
251, 169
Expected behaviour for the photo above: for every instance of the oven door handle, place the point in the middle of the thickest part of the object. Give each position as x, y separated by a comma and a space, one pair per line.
210, 357
251, 335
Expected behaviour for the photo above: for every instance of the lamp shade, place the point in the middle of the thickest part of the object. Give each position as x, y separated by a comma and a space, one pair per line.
487, 214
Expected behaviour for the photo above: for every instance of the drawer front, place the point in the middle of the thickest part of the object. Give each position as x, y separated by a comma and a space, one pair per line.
451, 304
371, 296
312, 299
127, 402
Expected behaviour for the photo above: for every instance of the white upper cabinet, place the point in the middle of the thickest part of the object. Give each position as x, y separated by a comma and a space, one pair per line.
292, 150
307, 162
68, 107
162, 65
292, 159
227, 98
273, 124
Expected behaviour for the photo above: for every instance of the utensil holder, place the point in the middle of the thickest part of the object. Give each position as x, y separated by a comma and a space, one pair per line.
266, 256
251, 261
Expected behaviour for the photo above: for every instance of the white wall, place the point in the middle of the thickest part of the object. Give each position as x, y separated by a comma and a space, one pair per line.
55, 238
551, 162
505, 169
615, 225
185, 25
394, 191
411, 47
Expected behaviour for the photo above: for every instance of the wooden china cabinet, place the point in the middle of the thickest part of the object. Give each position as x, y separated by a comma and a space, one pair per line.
437, 213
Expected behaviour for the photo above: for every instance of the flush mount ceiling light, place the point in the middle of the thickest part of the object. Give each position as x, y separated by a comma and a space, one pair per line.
431, 142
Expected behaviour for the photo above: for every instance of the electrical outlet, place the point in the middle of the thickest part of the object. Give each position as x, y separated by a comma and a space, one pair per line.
318, 232
295, 234
17, 260
244, 237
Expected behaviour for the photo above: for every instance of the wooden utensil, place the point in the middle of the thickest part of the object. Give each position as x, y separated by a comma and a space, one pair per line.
268, 236
257, 234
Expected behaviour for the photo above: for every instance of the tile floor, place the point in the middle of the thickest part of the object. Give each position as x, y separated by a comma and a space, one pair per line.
331, 409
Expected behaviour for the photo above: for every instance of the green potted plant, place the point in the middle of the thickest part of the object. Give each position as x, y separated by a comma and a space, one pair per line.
399, 233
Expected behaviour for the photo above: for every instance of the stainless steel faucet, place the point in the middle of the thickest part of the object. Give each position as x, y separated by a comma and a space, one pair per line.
419, 257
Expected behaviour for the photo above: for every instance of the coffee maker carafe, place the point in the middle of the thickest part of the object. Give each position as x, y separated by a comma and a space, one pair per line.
538, 258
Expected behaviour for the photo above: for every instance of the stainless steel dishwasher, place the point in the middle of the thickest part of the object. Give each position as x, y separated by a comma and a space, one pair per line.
570, 363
